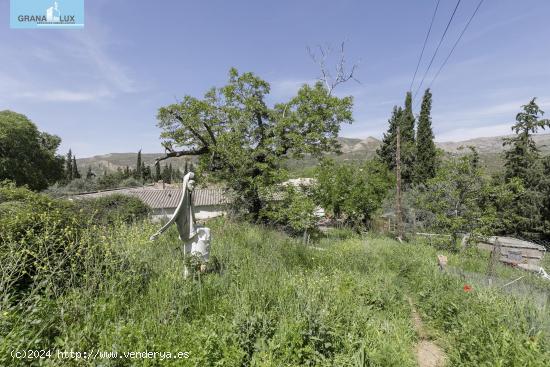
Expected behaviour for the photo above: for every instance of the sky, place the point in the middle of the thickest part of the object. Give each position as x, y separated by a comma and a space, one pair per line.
100, 88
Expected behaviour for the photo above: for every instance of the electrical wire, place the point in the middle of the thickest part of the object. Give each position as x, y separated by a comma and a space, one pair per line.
437, 49
456, 43
424, 46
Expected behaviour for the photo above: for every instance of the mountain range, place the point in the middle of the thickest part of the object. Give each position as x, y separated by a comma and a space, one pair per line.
490, 149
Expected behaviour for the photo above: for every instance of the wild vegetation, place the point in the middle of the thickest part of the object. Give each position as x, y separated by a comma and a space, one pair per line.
271, 302
82, 275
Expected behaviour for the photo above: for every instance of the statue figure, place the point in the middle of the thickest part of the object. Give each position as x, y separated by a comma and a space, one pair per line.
195, 238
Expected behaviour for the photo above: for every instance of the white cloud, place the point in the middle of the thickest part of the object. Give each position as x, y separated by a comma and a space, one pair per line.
61, 95
476, 132
284, 89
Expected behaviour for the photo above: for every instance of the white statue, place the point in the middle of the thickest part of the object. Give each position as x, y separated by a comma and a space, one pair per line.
196, 239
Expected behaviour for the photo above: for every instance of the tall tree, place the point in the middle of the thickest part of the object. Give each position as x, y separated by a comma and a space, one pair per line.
522, 161
69, 166
426, 152
166, 174
408, 146
138, 172
27, 155
404, 118
243, 141
158, 175
89, 173
387, 150
75, 173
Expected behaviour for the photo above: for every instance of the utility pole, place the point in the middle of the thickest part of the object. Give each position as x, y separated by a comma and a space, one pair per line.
398, 211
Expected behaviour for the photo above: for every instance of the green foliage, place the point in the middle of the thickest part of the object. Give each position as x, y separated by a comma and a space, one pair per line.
387, 151
138, 174
522, 161
404, 119
459, 199
69, 166
295, 212
38, 241
111, 209
28, 156
352, 192
244, 142
408, 144
426, 160
277, 303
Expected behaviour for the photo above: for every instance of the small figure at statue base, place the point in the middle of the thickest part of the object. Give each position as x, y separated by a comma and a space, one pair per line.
195, 238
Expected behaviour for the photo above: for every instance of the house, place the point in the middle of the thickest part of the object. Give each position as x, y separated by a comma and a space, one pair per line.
208, 203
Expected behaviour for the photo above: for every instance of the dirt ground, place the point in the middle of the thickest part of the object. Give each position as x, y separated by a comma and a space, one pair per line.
428, 354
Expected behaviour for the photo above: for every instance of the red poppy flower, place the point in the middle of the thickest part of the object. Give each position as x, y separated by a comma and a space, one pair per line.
467, 288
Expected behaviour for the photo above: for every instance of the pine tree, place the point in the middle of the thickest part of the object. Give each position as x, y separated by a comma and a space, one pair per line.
426, 152
138, 173
523, 156
69, 166
522, 161
75, 173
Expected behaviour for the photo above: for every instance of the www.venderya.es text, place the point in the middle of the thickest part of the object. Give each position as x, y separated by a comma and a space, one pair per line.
95, 354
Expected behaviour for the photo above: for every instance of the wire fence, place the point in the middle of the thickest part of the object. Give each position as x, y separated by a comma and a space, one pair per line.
522, 286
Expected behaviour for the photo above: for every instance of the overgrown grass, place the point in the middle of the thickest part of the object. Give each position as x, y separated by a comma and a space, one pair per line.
275, 303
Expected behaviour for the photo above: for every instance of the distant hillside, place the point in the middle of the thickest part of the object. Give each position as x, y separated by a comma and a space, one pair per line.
490, 150
113, 161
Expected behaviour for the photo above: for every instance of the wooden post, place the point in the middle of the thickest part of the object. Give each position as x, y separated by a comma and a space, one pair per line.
398, 213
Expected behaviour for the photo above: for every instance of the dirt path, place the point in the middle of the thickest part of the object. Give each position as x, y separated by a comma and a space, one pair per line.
428, 354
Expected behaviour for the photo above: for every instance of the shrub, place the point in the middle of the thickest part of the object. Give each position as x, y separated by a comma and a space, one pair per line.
295, 212
39, 240
114, 208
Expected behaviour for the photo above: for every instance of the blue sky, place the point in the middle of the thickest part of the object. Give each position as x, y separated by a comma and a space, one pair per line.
100, 88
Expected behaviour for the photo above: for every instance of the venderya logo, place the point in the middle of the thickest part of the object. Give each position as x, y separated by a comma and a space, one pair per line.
59, 14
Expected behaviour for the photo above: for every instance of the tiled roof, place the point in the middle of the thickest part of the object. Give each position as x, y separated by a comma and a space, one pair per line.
167, 198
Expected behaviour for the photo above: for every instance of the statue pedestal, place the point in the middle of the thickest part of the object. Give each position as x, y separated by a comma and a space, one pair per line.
199, 246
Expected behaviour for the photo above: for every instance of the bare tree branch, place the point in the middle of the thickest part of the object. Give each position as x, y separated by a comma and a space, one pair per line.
326, 77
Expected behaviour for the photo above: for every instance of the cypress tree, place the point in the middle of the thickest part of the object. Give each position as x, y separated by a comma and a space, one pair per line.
404, 118
89, 173
157, 172
186, 168
138, 173
407, 124
426, 152
165, 174
69, 166
386, 152
75, 173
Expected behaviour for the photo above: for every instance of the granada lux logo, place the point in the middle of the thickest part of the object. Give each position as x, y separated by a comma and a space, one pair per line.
52, 15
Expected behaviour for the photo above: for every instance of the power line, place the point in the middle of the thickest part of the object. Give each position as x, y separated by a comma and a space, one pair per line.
457, 41
437, 49
424, 46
